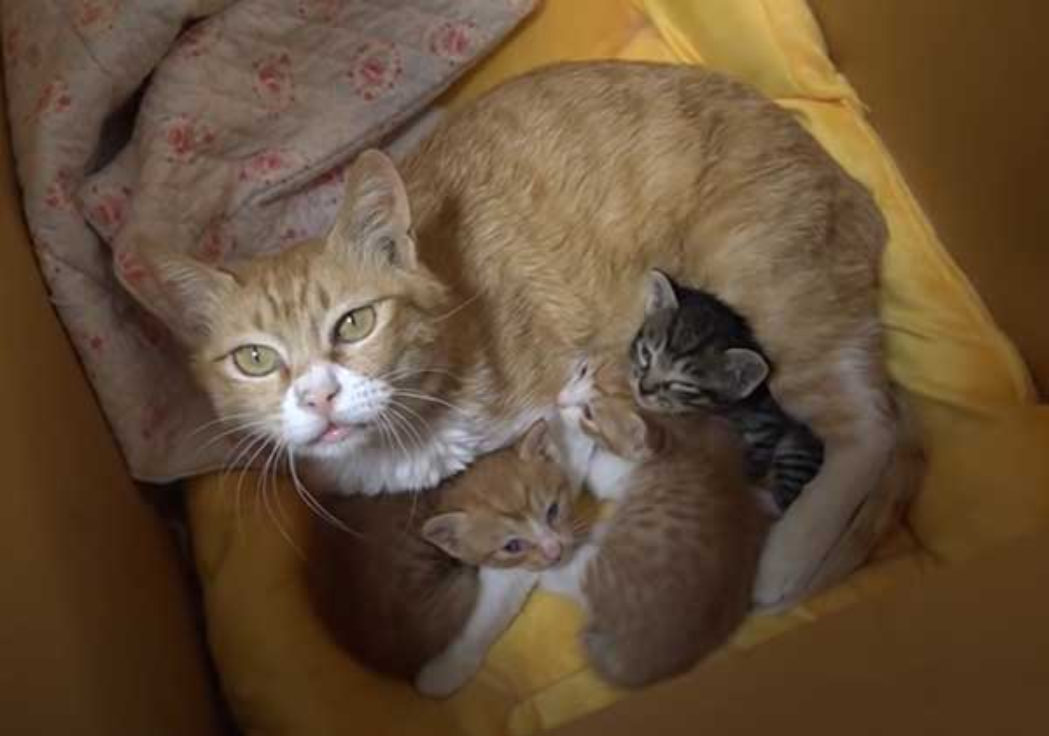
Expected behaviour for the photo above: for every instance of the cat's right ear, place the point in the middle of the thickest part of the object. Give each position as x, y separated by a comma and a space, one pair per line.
445, 531
375, 221
661, 294
180, 291
744, 371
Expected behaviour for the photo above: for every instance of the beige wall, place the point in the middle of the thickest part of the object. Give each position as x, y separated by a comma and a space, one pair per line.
958, 90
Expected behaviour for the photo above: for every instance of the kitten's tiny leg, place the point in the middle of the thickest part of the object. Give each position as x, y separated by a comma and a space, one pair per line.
567, 580
501, 595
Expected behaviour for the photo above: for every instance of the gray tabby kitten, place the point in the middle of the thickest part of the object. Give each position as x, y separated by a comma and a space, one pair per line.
694, 352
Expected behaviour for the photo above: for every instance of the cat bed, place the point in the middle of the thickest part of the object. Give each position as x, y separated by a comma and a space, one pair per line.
988, 477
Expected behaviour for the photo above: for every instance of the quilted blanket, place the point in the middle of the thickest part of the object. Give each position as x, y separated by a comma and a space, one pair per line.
218, 127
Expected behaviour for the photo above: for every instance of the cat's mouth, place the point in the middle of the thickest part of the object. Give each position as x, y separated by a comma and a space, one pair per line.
333, 434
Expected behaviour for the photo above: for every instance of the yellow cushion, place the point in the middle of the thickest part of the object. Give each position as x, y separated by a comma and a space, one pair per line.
988, 479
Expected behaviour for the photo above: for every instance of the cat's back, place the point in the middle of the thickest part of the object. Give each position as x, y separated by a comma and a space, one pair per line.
556, 192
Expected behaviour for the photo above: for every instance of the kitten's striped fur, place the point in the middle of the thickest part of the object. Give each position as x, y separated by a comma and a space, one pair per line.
696, 353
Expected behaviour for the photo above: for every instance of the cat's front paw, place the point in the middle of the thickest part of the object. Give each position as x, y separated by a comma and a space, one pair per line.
441, 677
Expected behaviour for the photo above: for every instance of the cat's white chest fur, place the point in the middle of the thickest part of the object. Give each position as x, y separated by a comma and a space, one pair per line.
420, 462
609, 475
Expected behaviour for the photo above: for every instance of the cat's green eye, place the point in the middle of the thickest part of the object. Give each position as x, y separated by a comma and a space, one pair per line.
256, 360
355, 325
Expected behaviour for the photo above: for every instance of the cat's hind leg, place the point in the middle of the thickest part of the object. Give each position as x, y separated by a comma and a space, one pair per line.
858, 451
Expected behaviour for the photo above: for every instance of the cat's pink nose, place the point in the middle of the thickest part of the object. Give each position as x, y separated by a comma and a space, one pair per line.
319, 399
551, 549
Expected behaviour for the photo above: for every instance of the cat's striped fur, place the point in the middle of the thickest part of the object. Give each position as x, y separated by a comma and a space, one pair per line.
696, 353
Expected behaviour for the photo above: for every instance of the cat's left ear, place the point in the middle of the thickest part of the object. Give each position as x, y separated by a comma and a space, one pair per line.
538, 443
446, 531
661, 294
745, 370
375, 220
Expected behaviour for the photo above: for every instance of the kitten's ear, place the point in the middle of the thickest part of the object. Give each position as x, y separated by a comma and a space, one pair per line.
180, 291
619, 427
375, 220
661, 294
640, 439
446, 531
745, 370
539, 443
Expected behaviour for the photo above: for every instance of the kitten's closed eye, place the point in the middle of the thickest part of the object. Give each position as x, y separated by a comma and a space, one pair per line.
553, 512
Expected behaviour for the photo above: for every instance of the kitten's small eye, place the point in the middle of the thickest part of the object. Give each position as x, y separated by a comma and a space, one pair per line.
355, 325
256, 361
514, 546
588, 414
552, 512
683, 388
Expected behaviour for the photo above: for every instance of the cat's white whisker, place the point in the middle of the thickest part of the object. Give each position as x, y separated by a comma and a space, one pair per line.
396, 411
269, 473
414, 414
311, 501
259, 424
222, 420
420, 396
405, 373
455, 310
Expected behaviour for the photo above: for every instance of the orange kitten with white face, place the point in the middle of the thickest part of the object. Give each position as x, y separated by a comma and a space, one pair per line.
427, 584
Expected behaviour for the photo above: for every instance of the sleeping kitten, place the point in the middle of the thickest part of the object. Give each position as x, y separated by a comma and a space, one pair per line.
670, 576
696, 352
432, 581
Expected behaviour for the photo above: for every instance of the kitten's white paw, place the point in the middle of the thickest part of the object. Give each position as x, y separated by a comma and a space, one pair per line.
441, 677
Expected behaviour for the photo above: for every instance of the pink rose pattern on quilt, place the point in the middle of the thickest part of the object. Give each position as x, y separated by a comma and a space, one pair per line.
239, 143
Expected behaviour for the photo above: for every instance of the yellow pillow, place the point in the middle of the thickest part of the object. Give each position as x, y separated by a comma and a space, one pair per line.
988, 479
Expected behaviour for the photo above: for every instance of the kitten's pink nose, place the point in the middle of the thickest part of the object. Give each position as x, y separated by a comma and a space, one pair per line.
551, 549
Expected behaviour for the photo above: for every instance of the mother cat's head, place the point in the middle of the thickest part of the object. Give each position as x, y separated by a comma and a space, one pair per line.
323, 346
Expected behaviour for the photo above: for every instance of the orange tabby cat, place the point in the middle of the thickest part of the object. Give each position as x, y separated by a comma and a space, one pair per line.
670, 576
437, 319
427, 584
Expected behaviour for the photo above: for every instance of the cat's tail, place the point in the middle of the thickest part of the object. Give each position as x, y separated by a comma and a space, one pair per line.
900, 482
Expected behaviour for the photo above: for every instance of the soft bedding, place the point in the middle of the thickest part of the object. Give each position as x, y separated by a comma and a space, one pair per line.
248, 109
988, 481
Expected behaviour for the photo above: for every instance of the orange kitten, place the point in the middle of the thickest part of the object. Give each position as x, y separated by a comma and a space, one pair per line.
430, 583
435, 322
670, 576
